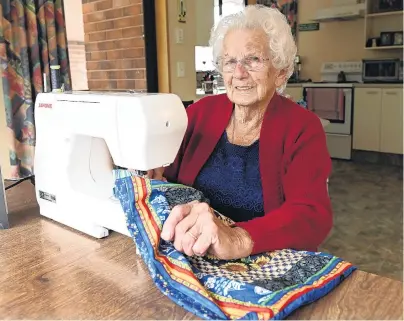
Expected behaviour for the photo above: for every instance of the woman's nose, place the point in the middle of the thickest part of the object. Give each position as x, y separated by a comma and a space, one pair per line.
240, 71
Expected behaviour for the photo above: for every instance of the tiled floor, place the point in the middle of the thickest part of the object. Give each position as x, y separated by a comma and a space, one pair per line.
368, 217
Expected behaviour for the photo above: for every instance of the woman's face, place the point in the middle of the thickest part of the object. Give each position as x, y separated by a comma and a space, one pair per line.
246, 67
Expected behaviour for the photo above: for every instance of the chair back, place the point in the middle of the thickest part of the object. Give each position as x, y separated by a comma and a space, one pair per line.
187, 103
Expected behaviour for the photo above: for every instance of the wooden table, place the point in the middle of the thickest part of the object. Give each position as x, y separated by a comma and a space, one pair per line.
363, 296
49, 271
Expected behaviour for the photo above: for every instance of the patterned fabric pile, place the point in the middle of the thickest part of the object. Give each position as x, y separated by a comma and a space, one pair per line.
266, 286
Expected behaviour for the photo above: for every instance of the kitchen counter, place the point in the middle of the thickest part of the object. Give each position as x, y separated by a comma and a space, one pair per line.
356, 85
200, 93
291, 85
378, 85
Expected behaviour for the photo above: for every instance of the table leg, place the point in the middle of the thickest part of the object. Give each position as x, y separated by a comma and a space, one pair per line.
3, 205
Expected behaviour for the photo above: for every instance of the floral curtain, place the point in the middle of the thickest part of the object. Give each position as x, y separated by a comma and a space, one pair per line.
32, 38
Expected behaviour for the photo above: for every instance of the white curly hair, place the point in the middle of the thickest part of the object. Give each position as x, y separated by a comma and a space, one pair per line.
280, 39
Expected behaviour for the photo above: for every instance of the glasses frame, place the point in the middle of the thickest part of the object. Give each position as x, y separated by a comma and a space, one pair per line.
239, 61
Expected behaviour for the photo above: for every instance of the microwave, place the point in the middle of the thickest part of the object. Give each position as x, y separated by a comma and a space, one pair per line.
382, 70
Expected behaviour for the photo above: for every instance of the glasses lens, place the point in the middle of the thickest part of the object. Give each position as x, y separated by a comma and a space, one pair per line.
250, 63
253, 63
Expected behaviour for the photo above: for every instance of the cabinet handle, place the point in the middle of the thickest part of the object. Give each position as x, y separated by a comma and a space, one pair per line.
372, 92
391, 93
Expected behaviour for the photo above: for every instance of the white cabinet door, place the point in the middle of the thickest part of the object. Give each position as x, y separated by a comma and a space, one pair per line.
391, 135
366, 124
296, 93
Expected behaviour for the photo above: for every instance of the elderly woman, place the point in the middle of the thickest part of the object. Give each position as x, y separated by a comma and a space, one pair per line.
259, 158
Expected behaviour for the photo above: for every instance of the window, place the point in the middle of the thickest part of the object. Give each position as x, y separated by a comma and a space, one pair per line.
203, 59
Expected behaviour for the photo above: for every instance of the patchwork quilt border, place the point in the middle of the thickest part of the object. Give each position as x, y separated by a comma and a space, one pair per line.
182, 286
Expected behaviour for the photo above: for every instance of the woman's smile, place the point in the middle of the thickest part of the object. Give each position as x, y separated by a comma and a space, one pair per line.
244, 88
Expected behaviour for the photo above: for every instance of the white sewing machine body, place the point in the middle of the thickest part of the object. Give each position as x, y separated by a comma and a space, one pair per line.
81, 135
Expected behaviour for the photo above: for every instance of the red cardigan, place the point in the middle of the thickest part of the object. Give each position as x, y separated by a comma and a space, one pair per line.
294, 165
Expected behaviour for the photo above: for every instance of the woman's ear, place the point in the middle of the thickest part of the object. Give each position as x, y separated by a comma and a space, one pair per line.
280, 79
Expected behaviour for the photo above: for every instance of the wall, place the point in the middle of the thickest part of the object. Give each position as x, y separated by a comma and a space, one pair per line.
163, 53
74, 20
335, 41
75, 44
115, 49
196, 33
184, 87
204, 21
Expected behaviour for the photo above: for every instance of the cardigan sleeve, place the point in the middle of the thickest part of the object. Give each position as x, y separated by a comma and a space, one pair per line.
172, 171
304, 220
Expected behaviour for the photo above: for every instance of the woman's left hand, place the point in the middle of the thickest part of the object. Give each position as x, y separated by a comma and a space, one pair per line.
195, 230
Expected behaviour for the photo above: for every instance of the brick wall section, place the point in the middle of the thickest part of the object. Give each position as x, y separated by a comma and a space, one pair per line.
115, 49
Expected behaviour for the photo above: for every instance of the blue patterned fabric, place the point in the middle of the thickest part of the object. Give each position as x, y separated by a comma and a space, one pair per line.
302, 103
231, 180
264, 286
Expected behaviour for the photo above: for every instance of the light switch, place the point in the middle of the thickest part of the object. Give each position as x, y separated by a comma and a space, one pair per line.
180, 69
179, 35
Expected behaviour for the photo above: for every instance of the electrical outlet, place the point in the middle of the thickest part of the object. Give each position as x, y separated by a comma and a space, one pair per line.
179, 35
180, 69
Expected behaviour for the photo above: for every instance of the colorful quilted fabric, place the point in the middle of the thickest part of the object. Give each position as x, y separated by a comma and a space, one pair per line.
32, 37
265, 286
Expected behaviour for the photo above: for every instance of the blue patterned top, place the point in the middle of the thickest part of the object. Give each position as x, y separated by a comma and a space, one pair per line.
231, 180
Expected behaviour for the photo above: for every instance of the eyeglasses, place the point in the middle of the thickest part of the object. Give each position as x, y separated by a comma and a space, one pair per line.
250, 63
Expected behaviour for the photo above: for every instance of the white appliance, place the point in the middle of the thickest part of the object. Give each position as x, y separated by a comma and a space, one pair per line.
333, 101
81, 135
341, 10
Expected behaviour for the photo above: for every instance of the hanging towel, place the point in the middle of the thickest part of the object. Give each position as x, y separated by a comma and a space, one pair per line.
327, 103
264, 286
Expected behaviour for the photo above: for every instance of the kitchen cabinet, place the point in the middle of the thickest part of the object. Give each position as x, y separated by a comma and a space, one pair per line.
366, 123
391, 127
378, 120
296, 93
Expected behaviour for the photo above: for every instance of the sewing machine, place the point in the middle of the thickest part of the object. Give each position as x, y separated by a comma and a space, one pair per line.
82, 135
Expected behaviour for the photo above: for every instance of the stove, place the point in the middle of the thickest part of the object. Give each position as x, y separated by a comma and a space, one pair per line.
332, 99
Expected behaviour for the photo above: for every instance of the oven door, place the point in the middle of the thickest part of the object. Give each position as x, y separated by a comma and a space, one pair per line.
333, 104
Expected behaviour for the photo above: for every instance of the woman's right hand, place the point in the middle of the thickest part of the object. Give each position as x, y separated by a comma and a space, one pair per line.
194, 229
157, 174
